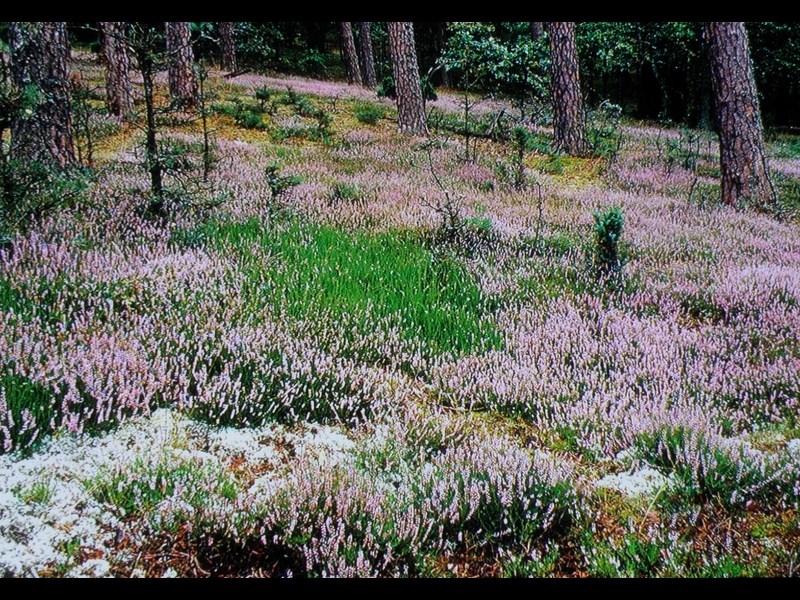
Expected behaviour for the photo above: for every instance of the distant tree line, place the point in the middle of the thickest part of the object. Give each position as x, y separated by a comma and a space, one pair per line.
682, 68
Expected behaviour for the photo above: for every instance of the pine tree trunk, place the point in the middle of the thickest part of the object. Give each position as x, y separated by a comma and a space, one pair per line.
440, 47
349, 54
410, 104
745, 173
181, 76
228, 46
39, 54
365, 55
569, 122
119, 92
537, 30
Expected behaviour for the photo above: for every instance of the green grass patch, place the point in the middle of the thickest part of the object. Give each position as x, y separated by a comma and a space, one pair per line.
362, 278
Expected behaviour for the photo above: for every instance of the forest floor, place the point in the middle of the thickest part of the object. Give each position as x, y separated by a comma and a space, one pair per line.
350, 352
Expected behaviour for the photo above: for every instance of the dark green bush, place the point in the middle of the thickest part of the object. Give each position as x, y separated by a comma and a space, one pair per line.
388, 89
368, 113
608, 227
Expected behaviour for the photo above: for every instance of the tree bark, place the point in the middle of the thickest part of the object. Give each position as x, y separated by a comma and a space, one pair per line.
569, 121
119, 92
39, 54
228, 46
743, 161
365, 55
537, 30
349, 54
181, 76
410, 104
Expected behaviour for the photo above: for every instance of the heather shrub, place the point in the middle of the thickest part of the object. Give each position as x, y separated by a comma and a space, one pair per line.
480, 493
708, 468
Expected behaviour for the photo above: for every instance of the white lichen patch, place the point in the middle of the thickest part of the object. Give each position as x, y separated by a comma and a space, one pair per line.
50, 519
643, 482
793, 447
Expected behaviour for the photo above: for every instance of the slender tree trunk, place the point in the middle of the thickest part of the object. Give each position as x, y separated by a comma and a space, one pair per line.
440, 45
410, 103
350, 55
151, 143
537, 30
181, 76
119, 92
745, 173
228, 47
39, 54
569, 122
365, 55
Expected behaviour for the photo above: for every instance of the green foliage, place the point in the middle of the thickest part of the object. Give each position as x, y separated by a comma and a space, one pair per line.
605, 130
629, 557
40, 492
500, 56
701, 307
786, 147
704, 471
364, 278
247, 118
305, 108
788, 192
368, 113
535, 564
264, 96
17, 102
388, 89
611, 51
608, 228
